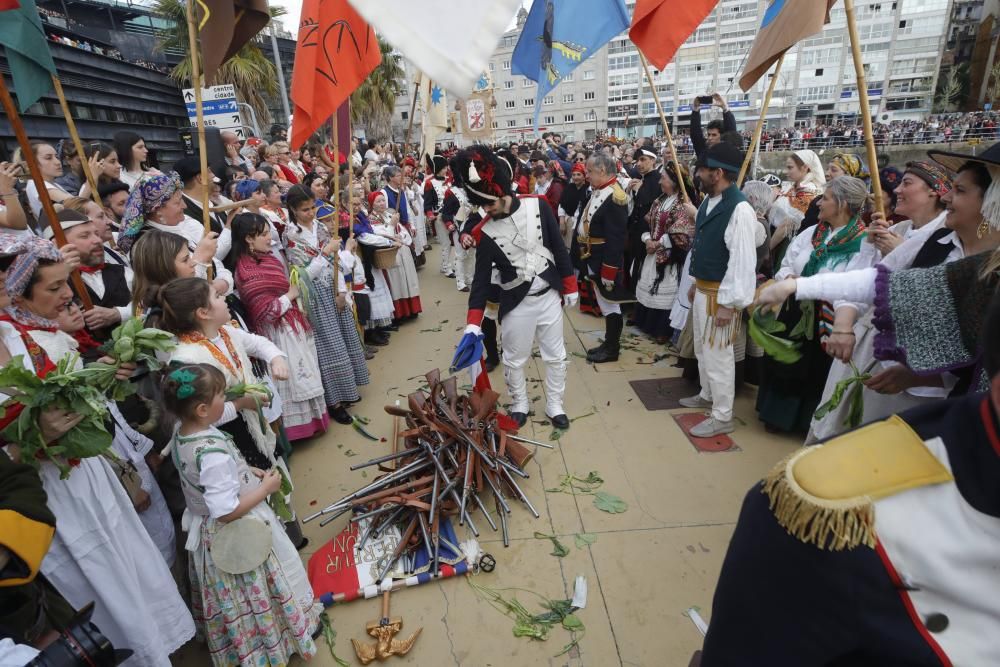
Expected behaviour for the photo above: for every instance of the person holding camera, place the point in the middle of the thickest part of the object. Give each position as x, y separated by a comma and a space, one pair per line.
715, 129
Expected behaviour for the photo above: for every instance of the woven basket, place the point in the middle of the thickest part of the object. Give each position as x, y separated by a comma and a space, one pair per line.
385, 258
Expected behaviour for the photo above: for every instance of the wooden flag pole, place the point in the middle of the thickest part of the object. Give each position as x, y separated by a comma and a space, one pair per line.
413, 110
666, 128
866, 110
91, 181
760, 122
43, 193
196, 82
335, 232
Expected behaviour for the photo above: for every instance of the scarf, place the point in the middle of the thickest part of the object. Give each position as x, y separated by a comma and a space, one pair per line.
668, 216
852, 165
843, 245
262, 281
148, 194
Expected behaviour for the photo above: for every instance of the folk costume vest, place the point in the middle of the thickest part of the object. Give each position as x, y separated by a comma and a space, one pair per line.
709, 254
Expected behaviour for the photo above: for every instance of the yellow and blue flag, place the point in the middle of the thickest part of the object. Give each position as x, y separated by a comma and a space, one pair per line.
558, 35
785, 24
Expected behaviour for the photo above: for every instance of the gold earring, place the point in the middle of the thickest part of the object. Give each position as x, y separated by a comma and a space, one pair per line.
983, 229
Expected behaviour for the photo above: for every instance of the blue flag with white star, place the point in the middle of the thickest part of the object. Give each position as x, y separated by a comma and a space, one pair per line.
560, 34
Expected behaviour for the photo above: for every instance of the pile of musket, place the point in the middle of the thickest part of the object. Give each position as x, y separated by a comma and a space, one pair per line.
453, 457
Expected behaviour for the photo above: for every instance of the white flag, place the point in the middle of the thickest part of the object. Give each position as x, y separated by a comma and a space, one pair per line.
450, 42
434, 104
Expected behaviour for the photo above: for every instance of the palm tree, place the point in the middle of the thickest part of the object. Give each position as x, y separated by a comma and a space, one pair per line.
374, 100
249, 71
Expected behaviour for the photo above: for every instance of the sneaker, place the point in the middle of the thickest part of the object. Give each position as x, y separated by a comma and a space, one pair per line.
695, 401
711, 427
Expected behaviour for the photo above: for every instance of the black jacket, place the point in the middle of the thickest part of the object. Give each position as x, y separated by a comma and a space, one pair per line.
698, 139
559, 275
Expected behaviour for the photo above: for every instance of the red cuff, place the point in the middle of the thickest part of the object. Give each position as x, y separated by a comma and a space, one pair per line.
608, 272
475, 317
10, 415
569, 285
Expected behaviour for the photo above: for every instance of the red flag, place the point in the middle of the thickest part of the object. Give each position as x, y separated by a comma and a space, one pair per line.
336, 51
659, 27
9, 4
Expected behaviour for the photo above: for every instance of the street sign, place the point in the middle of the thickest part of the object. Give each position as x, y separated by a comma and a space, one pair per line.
219, 108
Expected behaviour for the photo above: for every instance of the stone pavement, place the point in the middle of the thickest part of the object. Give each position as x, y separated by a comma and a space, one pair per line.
647, 566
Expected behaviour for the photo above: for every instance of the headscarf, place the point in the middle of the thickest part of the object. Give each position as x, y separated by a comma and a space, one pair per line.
815, 176
852, 165
28, 252
579, 167
372, 196
889, 178
246, 187
934, 175
148, 194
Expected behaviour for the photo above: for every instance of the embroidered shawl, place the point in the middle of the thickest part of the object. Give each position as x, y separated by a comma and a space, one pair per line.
262, 281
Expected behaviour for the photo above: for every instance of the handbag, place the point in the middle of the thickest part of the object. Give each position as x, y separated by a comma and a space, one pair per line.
241, 546
127, 474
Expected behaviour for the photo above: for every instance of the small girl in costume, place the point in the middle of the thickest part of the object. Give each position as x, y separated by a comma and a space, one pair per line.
250, 596
195, 312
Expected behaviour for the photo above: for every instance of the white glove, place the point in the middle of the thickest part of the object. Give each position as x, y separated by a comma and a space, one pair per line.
473, 329
570, 300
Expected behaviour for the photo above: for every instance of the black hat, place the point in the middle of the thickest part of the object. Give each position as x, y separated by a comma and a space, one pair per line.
435, 163
647, 149
189, 167
485, 176
990, 158
537, 155
523, 149
723, 156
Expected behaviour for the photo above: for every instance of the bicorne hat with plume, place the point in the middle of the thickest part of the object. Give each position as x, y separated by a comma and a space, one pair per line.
485, 176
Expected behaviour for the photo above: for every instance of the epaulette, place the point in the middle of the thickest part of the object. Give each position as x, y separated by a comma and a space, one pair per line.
618, 195
824, 495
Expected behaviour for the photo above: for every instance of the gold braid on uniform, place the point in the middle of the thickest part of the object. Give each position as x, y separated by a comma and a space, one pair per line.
618, 195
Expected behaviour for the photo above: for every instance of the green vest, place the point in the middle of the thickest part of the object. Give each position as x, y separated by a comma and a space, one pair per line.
709, 254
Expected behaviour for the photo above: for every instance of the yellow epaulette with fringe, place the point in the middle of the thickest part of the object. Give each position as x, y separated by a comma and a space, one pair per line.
618, 195
824, 495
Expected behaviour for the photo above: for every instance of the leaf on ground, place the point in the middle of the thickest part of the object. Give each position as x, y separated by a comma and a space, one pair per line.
556, 434
579, 354
434, 330
584, 539
558, 549
609, 503
350, 452
572, 623
587, 414
443, 322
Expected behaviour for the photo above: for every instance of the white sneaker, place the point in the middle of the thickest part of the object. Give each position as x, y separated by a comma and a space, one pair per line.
695, 401
711, 427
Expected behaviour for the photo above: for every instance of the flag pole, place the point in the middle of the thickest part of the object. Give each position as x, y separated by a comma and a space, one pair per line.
755, 141
91, 182
666, 128
196, 82
43, 193
413, 110
334, 123
866, 110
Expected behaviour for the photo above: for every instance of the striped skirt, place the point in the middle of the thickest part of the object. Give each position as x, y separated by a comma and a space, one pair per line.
342, 362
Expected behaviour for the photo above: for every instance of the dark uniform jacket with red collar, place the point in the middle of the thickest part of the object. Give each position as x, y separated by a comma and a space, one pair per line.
879, 548
509, 258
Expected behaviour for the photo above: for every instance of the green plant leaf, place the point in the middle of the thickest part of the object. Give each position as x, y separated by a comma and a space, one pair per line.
609, 503
558, 549
762, 329
584, 539
572, 623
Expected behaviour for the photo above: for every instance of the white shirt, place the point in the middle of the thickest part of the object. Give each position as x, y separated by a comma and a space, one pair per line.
95, 281
742, 237
225, 240
34, 201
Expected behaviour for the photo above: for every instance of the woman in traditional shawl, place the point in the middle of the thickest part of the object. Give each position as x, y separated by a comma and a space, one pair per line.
272, 305
314, 251
790, 392
402, 277
945, 279
668, 240
379, 317
788, 215
100, 550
